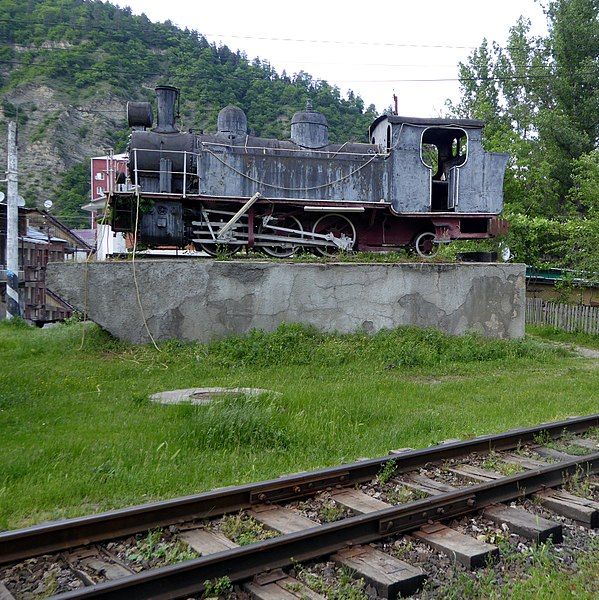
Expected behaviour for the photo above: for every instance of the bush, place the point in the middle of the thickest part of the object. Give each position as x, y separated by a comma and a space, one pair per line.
401, 347
542, 242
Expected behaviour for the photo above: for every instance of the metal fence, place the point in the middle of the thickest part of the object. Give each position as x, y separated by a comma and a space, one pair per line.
569, 317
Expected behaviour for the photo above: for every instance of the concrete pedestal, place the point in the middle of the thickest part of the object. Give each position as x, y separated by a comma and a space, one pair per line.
207, 299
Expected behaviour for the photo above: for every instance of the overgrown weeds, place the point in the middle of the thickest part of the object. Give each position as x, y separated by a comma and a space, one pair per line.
398, 348
526, 573
79, 434
153, 549
387, 471
578, 338
579, 483
244, 530
218, 588
493, 462
403, 495
345, 585
331, 511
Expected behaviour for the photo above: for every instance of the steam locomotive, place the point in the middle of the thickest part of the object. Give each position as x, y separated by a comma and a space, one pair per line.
417, 183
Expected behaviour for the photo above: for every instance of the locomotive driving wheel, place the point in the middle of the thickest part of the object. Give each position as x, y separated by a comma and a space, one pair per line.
341, 227
282, 249
425, 246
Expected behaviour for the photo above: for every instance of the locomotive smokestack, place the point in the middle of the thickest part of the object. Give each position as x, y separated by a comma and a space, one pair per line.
166, 99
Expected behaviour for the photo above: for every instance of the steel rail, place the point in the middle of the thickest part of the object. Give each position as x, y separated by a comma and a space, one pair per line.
242, 563
69, 533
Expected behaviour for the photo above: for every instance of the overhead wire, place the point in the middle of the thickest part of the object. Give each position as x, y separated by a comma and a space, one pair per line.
338, 42
398, 80
117, 26
33, 48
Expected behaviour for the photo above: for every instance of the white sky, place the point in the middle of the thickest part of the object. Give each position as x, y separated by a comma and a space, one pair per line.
362, 57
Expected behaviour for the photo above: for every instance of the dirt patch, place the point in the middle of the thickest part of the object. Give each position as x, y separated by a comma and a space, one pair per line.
586, 352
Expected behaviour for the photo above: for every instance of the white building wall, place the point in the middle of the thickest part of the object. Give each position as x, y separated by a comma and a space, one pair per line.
108, 243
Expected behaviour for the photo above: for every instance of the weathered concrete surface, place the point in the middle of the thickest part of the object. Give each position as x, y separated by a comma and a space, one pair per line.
205, 395
206, 299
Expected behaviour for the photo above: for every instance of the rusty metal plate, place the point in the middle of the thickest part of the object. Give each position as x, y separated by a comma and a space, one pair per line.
306, 486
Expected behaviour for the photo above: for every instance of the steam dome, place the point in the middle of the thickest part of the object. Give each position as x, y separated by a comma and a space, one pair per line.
232, 121
309, 128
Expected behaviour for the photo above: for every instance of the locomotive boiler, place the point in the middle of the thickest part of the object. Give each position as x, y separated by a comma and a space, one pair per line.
416, 183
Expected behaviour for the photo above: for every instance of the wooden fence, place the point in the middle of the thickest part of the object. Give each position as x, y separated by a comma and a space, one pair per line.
569, 317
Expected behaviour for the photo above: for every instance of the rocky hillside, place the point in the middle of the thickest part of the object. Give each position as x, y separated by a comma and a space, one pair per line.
55, 137
67, 68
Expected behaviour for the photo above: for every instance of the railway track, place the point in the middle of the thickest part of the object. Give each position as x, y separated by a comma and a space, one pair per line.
253, 534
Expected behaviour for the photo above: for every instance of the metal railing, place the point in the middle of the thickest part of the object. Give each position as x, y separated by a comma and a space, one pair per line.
166, 154
187, 158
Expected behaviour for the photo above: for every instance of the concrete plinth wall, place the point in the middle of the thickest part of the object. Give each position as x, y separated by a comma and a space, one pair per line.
206, 299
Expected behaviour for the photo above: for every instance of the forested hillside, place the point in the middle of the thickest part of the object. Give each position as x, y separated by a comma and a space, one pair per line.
68, 66
540, 98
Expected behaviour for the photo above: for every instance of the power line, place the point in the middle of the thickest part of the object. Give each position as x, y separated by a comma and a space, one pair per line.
459, 79
140, 73
340, 42
121, 27
266, 38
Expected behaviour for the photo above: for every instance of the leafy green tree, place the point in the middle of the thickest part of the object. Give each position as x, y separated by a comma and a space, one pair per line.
540, 98
585, 183
571, 127
72, 193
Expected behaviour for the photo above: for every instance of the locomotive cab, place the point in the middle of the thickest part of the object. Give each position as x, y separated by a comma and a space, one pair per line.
444, 151
440, 166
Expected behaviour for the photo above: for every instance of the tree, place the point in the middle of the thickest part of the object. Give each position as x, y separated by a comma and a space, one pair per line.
71, 194
571, 128
540, 99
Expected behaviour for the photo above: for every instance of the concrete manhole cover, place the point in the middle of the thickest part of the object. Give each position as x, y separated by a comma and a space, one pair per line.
204, 395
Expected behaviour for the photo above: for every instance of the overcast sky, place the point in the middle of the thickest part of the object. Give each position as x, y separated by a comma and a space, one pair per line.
366, 47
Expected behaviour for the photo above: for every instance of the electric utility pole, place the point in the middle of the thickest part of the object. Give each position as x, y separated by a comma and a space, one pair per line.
13, 308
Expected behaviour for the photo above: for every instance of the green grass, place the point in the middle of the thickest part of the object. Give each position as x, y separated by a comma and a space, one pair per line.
531, 575
346, 585
152, 549
244, 530
552, 334
78, 433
